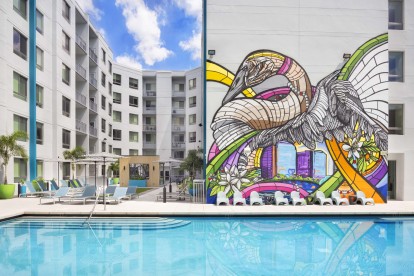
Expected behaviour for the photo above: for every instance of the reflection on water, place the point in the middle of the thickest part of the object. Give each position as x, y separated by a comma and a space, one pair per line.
206, 246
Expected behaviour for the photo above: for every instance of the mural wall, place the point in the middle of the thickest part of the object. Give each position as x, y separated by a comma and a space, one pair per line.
301, 136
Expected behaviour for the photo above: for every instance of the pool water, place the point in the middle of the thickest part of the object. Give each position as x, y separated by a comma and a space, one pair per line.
207, 246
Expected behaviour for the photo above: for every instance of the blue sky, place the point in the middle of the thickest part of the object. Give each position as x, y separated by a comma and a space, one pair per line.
150, 34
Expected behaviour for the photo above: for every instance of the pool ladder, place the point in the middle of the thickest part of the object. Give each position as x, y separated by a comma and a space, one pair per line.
93, 209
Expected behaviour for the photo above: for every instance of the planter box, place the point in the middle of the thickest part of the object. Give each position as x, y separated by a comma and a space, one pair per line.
7, 191
137, 183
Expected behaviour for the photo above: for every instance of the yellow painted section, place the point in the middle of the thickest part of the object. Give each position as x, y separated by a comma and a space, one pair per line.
267, 54
257, 157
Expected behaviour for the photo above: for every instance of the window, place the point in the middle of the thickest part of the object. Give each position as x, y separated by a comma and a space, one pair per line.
133, 152
133, 101
65, 42
103, 79
396, 119
39, 168
20, 6
103, 146
66, 10
39, 133
192, 137
133, 83
65, 74
179, 154
117, 79
117, 134
19, 44
192, 101
179, 87
39, 22
20, 169
109, 130
109, 109
178, 138
110, 149
396, 66
117, 151
103, 102
133, 119
65, 139
110, 67
20, 124
117, 98
103, 125
39, 96
109, 88
117, 116
150, 87
19, 86
66, 170
103, 56
192, 84
39, 58
133, 136
395, 15
65, 106
192, 119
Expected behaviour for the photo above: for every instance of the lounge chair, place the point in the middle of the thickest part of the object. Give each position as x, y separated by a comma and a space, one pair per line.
81, 182
255, 198
280, 198
222, 198
321, 199
62, 192
53, 185
32, 191
238, 198
88, 193
63, 183
337, 199
295, 199
42, 185
131, 192
120, 193
361, 199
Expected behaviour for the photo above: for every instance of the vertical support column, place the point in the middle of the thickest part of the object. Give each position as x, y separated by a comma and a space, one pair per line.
32, 89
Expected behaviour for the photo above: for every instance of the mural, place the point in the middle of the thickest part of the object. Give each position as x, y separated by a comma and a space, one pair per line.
300, 136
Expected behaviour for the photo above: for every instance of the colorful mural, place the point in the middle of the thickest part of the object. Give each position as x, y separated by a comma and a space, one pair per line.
300, 136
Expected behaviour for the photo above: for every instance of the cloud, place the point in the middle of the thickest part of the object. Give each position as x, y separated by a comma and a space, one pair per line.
192, 8
88, 7
143, 24
128, 61
102, 32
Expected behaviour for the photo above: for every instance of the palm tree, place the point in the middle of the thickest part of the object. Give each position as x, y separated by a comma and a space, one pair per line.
114, 167
10, 148
74, 154
193, 162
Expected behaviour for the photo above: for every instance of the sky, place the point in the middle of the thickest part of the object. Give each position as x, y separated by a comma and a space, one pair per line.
150, 34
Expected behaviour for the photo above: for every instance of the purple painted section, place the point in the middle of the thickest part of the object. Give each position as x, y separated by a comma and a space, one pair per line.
285, 66
266, 163
304, 163
378, 174
233, 159
273, 186
213, 151
270, 93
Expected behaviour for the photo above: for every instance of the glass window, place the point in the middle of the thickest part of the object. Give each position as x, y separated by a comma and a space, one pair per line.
179, 154
65, 74
19, 44
109, 130
117, 116
192, 137
150, 87
39, 21
103, 146
192, 101
396, 66
39, 168
192, 119
20, 124
39, 96
133, 101
133, 152
20, 169
117, 134
117, 79
133, 83
103, 79
110, 149
395, 15
109, 109
39, 58
66, 170
20, 6
66, 10
103, 102
65, 106
103, 125
133, 136
103, 56
179, 87
117, 98
65, 139
110, 88
19, 86
110, 67
39, 133
192, 84
117, 151
396, 119
65, 42
133, 119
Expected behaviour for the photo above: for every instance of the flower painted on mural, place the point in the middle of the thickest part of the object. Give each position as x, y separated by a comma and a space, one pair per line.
353, 147
232, 179
361, 153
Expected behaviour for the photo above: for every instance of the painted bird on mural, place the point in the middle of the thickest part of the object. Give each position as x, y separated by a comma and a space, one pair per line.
299, 113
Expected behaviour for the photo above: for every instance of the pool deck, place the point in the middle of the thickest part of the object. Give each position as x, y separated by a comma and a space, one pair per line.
146, 205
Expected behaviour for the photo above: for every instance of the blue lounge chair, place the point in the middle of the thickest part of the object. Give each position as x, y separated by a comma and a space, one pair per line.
42, 185
63, 183
53, 185
32, 191
61, 193
120, 193
131, 192
88, 193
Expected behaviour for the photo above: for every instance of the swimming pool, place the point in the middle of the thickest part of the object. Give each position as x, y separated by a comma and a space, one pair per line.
207, 246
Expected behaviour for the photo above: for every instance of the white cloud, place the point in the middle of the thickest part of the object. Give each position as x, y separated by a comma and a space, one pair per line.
192, 8
128, 61
102, 32
142, 23
88, 7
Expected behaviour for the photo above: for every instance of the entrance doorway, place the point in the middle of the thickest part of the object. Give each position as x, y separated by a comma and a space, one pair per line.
392, 179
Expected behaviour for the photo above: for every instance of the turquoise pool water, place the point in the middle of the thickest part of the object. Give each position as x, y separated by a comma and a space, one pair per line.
207, 246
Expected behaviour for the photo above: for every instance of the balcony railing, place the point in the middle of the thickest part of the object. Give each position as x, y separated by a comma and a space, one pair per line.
93, 131
150, 93
178, 111
178, 145
81, 42
178, 127
93, 106
178, 94
150, 127
81, 71
93, 80
192, 139
150, 109
93, 55
149, 145
81, 98
80, 126
92, 149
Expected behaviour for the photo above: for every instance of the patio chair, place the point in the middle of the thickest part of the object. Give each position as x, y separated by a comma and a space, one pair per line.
32, 191
81, 182
255, 198
53, 185
321, 199
73, 183
77, 182
295, 199
131, 192
42, 185
63, 183
238, 198
120, 193
280, 198
88, 193
337, 199
361, 199
222, 198
60, 193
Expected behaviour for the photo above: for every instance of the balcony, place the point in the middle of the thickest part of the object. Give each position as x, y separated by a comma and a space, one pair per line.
178, 145
149, 145
93, 56
93, 131
178, 94
178, 128
80, 126
149, 93
93, 81
150, 128
150, 110
81, 43
81, 98
178, 111
81, 71
93, 106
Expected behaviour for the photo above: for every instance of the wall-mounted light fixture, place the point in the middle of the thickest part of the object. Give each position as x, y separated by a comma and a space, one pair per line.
153, 168
211, 53
124, 168
346, 56
200, 124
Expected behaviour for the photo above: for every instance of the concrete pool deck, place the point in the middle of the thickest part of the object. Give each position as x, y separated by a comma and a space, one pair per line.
146, 205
